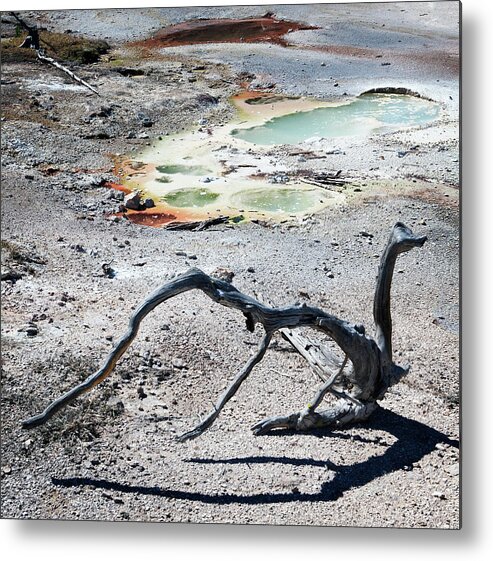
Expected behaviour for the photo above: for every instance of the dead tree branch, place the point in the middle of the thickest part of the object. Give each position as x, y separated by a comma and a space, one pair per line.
372, 370
33, 40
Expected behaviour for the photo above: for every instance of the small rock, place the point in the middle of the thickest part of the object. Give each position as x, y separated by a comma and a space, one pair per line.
31, 331
141, 393
149, 203
206, 99
178, 363
453, 469
145, 120
132, 201
108, 271
223, 274
12, 276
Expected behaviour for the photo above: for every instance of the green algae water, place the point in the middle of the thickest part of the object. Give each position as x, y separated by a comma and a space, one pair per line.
183, 169
278, 200
367, 114
191, 198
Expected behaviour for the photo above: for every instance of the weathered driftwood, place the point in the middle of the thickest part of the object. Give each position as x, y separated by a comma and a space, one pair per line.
32, 41
358, 382
197, 226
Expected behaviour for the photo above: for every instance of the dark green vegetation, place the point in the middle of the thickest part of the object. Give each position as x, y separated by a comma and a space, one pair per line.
61, 46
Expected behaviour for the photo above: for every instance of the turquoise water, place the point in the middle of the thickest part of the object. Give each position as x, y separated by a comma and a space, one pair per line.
276, 200
367, 114
183, 198
185, 170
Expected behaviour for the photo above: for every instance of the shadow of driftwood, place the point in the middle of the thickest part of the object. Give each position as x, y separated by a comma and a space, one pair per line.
414, 441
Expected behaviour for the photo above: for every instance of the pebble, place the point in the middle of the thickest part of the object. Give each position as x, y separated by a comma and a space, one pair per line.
31, 331
453, 469
178, 363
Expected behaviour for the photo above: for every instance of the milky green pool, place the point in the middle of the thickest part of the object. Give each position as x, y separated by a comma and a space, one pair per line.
278, 199
366, 114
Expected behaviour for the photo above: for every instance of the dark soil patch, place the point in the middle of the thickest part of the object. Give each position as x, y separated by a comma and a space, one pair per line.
61, 46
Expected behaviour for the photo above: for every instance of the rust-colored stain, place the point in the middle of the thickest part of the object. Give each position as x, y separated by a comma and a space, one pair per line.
149, 217
249, 30
118, 187
160, 215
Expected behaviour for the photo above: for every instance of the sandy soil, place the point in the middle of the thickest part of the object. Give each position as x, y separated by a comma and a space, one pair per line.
114, 454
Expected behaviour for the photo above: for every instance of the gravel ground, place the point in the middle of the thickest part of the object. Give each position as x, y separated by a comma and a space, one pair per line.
114, 455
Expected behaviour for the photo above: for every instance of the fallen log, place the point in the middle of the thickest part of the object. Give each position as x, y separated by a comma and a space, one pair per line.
32, 41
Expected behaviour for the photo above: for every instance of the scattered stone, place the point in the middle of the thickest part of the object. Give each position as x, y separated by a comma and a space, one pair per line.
149, 203
108, 271
178, 363
100, 134
136, 165
453, 469
132, 200
12, 276
141, 393
223, 274
31, 330
207, 99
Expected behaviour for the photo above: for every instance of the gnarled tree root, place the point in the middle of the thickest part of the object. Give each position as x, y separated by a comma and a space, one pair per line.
358, 389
